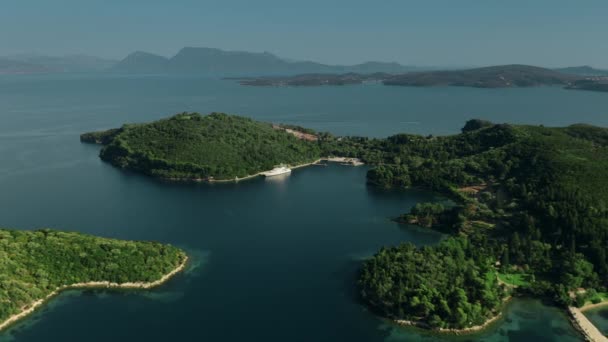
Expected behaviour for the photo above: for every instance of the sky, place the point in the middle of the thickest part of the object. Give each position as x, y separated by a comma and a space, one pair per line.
549, 33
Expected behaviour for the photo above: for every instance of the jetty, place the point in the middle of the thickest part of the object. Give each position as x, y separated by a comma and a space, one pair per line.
582, 323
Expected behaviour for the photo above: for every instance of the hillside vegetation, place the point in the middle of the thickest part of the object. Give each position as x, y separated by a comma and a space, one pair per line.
191, 146
531, 200
451, 285
33, 264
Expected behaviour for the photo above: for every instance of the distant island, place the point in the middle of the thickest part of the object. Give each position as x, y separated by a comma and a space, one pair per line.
504, 76
37, 265
313, 80
490, 77
528, 213
215, 147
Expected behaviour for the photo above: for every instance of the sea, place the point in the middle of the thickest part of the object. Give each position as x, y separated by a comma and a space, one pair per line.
272, 259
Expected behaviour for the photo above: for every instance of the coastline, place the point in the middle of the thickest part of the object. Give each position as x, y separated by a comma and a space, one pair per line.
30, 308
236, 179
593, 306
341, 160
463, 331
581, 323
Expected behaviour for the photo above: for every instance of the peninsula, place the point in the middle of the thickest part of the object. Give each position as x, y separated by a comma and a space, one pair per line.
37, 265
529, 219
215, 147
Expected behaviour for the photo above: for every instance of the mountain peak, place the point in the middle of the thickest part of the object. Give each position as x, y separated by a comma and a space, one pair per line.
142, 62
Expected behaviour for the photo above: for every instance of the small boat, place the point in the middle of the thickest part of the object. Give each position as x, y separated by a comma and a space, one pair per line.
277, 171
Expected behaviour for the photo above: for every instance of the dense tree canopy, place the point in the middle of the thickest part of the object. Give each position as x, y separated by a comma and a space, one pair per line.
475, 124
192, 146
446, 286
35, 263
539, 195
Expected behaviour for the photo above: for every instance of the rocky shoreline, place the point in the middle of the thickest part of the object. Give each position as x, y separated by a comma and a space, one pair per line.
27, 310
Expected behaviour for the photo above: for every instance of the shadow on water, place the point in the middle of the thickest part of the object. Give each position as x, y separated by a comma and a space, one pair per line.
603, 313
37, 316
349, 275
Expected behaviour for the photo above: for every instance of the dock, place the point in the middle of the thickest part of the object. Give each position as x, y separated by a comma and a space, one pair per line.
584, 325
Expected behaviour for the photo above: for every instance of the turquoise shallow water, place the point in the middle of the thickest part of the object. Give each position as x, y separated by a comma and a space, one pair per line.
274, 260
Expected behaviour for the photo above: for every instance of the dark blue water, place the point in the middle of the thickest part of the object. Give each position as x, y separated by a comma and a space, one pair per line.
272, 260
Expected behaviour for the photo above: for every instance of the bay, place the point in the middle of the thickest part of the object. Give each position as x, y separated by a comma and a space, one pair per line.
274, 260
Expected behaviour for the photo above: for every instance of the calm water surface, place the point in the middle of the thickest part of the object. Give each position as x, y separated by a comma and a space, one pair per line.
273, 260
599, 317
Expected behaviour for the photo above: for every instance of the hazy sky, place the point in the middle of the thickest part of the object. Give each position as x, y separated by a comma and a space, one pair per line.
428, 32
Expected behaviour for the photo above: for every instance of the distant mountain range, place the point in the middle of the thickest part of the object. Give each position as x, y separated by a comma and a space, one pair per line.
221, 63
216, 62
34, 63
9, 66
142, 63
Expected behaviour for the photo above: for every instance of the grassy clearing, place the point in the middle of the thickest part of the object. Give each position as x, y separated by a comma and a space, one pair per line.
514, 279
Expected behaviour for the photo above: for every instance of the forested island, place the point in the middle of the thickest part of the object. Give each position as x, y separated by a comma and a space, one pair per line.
214, 147
36, 265
528, 213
